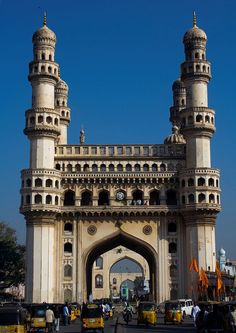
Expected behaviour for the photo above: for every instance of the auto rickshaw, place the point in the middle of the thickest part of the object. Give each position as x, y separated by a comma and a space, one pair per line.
92, 318
38, 319
173, 313
147, 313
13, 319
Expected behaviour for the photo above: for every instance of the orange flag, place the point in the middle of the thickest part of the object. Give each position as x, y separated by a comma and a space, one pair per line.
219, 282
203, 278
193, 265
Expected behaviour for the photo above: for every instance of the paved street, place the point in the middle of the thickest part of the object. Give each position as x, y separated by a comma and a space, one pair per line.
117, 325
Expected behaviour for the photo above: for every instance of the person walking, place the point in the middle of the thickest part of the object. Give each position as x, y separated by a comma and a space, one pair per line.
57, 318
66, 314
49, 315
195, 310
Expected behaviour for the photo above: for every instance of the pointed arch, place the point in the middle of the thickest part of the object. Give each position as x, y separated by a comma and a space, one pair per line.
120, 238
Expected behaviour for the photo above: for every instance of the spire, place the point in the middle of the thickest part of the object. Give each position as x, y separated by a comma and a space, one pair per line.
194, 20
45, 18
82, 136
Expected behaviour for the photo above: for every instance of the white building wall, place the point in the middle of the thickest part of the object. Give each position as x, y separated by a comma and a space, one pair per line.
42, 153
42, 95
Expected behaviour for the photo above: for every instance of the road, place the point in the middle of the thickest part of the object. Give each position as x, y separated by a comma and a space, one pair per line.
186, 326
117, 325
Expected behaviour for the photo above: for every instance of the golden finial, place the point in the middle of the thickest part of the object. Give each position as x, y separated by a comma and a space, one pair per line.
194, 19
45, 18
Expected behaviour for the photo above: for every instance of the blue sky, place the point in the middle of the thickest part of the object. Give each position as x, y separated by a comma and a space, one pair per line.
119, 59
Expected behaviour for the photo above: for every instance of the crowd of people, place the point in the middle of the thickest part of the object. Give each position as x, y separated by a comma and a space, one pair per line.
222, 318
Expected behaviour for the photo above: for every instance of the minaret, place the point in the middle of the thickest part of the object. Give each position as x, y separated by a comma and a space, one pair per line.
197, 119
199, 182
61, 97
41, 182
179, 101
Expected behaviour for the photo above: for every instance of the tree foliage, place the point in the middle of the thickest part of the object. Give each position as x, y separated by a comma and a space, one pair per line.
12, 258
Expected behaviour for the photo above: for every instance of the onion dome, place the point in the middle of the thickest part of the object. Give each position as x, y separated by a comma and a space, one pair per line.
61, 87
175, 137
222, 252
194, 33
44, 35
178, 85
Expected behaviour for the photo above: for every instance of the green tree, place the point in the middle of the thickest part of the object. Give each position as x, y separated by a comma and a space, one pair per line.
12, 258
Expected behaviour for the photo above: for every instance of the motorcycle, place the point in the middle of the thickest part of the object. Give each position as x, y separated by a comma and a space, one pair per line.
127, 315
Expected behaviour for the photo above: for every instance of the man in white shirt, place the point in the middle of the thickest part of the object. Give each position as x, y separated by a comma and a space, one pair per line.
49, 315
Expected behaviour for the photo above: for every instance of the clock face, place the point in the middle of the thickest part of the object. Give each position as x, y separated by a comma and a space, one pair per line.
120, 195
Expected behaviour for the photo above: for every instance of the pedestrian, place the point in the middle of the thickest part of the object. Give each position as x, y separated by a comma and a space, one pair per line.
195, 310
49, 315
57, 318
201, 319
66, 314
215, 320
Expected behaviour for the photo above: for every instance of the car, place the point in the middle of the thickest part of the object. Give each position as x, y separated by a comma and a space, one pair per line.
186, 306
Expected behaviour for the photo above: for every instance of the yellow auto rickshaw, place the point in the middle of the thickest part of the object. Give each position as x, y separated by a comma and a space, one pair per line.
38, 319
92, 318
173, 313
147, 313
13, 319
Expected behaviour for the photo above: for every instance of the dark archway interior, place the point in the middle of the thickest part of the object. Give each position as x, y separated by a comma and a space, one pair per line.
131, 243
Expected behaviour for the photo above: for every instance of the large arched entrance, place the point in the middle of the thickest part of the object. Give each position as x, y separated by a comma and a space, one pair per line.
122, 239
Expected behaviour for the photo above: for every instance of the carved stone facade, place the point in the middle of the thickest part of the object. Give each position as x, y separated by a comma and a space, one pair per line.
80, 201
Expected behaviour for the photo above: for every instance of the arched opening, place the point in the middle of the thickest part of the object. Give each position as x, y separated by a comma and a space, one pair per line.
199, 118
103, 168
77, 168
67, 295
154, 167
67, 272
68, 248
38, 182
191, 198
99, 263
154, 198
128, 167
201, 198
48, 199
122, 239
38, 199
69, 168
28, 182
86, 198
201, 181
211, 182
98, 281
86, 168
111, 167
172, 227
137, 197
119, 167
58, 167
211, 198
137, 168
131, 276
171, 197
172, 247
103, 198
145, 167
162, 167
48, 183
68, 228
94, 168
69, 198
